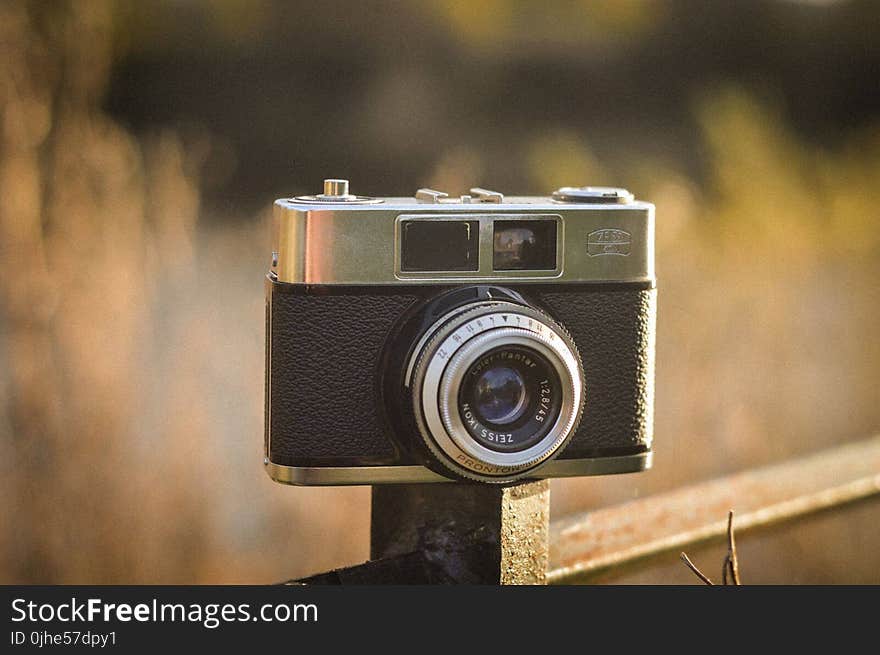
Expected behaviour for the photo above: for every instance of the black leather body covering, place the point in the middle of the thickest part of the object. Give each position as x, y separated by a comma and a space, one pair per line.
327, 346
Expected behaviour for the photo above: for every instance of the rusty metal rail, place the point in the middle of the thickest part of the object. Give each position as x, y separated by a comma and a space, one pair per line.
428, 534
585, 545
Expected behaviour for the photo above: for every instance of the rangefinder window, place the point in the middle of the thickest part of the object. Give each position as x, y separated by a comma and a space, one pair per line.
432, 245
524, 245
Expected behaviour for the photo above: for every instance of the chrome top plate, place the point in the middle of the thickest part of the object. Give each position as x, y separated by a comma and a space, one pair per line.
357, 240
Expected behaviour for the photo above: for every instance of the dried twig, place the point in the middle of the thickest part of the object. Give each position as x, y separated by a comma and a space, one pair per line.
730, 568
697, 572
731, 564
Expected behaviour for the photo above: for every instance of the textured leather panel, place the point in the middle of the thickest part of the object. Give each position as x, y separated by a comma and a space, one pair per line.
324, 377
326, 350
614, 331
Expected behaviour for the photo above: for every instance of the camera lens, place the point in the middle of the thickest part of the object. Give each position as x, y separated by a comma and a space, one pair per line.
501, 395
497, 389
509, 398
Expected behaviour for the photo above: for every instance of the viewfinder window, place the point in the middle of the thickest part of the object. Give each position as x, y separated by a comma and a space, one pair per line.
440, 246
524, 245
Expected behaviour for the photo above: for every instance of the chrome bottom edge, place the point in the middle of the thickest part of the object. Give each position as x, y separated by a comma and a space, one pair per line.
369, 475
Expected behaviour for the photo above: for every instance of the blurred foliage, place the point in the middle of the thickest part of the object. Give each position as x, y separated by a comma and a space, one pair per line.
560, 25
131, 338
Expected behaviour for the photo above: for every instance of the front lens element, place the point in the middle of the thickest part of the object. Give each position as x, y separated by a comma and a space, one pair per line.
500, 395
509, 398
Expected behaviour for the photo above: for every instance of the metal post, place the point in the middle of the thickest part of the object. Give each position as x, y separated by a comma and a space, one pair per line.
471, 533
453, 534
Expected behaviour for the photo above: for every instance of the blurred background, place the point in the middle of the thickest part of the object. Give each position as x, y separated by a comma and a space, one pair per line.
141, 147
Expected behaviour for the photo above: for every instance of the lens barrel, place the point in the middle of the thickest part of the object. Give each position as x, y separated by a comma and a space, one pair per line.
497, 390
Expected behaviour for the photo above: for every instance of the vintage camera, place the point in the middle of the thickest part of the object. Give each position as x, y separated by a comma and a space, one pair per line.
475, 338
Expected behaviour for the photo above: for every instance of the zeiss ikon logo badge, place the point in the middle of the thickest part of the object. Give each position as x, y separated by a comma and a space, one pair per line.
608, 242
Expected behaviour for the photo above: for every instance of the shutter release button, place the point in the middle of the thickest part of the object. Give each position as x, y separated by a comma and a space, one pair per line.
336, 190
